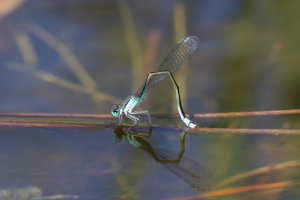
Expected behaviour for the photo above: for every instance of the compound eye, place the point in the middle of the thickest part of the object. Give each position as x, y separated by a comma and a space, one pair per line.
115, 111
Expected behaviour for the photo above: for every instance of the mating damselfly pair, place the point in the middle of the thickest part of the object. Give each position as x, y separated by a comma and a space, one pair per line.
178, 55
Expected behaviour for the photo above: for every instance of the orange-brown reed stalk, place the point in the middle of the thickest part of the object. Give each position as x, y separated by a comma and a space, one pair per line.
93, 121
238, 190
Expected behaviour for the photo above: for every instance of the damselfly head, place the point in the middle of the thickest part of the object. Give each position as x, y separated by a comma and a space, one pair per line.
115, 110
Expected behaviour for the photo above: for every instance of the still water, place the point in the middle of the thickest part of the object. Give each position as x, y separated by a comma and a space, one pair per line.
84, 56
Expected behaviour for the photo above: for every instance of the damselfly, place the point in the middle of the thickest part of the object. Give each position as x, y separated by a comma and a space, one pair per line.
178, 55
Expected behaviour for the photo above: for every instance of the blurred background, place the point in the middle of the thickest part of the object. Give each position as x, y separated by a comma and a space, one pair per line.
82, 56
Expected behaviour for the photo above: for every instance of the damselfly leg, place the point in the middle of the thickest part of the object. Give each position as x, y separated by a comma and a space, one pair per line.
134, 116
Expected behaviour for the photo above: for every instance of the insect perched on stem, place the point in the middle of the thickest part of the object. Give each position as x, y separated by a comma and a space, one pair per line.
178, 55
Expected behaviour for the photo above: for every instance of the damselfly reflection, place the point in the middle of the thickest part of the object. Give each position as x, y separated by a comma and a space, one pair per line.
178, 55
183, 167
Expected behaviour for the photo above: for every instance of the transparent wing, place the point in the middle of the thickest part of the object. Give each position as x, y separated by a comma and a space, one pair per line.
186, 169
178, 55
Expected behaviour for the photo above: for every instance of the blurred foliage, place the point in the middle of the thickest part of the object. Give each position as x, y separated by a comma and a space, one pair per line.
247, 60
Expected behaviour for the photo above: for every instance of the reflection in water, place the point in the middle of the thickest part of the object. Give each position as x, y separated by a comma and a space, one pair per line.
185, 168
